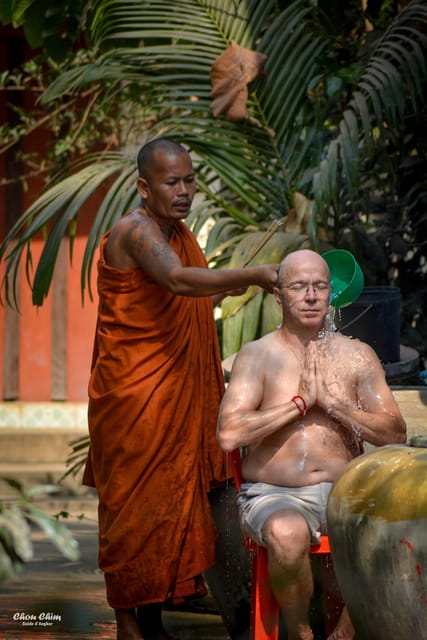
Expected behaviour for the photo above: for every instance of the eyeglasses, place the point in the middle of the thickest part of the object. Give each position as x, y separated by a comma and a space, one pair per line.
321, 289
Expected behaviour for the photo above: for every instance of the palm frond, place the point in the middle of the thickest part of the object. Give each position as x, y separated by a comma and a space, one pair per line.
169, 55
178, 50
392, 86
77, 457
162, 53
55, 210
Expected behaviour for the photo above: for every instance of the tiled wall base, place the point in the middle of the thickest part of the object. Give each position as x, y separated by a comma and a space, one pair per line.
65, 415
35, 443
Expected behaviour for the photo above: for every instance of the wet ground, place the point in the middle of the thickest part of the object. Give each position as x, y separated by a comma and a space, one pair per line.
58, 599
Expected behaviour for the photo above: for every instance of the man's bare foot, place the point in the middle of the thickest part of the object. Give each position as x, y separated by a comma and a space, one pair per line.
302, 633
341, 634
127, 625
344, 629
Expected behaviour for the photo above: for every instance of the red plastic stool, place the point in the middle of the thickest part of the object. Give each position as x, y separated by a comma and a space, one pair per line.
264, 608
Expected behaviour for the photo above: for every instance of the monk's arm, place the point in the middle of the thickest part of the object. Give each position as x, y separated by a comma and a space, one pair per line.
240, 421
195, 281
151, 251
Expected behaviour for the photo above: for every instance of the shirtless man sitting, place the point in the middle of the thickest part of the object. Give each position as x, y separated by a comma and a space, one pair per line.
301, 400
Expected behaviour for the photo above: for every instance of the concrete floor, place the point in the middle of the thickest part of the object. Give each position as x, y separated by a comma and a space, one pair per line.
55, 598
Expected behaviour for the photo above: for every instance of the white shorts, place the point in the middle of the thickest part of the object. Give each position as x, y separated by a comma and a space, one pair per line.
257, 501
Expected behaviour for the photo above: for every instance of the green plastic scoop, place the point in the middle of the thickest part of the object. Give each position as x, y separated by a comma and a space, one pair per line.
346, 277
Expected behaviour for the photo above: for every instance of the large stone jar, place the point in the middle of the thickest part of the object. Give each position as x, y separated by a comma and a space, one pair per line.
377, 522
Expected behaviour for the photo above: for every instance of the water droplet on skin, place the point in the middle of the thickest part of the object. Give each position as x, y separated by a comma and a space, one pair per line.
305, 449
328, 346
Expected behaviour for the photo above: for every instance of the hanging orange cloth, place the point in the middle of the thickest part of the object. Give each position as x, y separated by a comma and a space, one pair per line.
154, 394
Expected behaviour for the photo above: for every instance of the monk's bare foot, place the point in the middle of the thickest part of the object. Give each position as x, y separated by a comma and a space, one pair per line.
344, 629
150, 623
127, 625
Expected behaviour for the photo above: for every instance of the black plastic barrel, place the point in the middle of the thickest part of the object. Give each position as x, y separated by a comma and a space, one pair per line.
374, 318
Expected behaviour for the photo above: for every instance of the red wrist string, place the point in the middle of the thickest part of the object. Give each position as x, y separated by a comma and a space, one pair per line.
301, 408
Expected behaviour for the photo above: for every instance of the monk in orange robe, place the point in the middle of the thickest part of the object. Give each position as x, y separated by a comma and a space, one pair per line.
154, 395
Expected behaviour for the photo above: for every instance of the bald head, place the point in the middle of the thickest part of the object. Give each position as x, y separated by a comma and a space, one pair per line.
300, 262
146, 157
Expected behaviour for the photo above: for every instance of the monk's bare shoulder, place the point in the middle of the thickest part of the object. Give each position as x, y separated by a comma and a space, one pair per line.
136, 241
125, 232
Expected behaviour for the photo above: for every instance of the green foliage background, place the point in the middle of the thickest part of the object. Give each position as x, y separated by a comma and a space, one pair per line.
337, 119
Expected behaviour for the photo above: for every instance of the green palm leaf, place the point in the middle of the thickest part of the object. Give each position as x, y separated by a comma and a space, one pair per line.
379, 98
57, 208
161, 55
179, 46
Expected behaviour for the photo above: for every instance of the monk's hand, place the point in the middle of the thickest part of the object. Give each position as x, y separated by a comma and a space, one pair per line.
268, 276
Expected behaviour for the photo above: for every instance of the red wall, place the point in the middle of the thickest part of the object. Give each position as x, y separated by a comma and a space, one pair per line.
81, 327
35, 324
35, 357
35, 337
35, 351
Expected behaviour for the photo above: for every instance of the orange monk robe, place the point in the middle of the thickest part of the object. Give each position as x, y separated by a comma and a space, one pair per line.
154, 394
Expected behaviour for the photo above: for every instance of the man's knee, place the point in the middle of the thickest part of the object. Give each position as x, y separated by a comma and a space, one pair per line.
287, 535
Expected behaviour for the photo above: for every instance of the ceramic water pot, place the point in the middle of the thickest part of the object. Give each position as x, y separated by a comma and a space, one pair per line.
377, 523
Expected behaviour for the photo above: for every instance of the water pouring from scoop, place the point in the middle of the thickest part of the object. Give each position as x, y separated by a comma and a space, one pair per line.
346, 277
